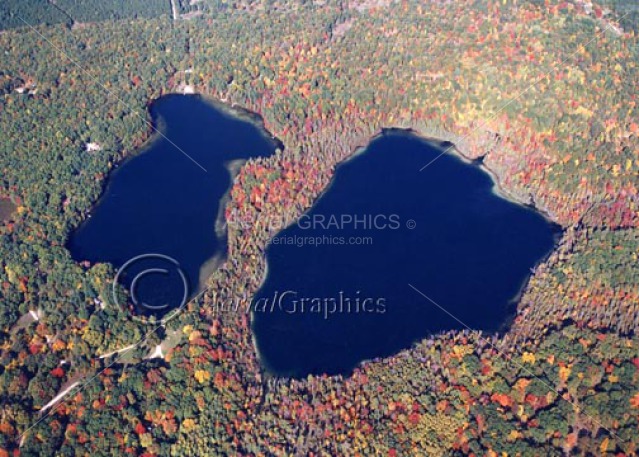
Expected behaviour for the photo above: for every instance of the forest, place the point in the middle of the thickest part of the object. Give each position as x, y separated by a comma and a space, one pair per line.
14, 14
24, 13
324, 77
628, 12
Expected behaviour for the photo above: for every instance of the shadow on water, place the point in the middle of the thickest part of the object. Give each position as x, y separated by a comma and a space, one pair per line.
160, 201
337, 291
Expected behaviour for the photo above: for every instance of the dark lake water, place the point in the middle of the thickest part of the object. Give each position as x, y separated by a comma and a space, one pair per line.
161, 202
327, 306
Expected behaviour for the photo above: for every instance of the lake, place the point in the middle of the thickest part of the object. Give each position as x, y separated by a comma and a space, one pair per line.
339, 288
162, 202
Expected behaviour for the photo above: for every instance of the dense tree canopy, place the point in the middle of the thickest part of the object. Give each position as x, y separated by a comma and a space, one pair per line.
544, 91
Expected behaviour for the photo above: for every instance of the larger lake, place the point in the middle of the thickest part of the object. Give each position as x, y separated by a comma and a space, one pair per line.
389, 255
166, 199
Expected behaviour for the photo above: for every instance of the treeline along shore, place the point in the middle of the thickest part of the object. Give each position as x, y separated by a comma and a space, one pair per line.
543, 91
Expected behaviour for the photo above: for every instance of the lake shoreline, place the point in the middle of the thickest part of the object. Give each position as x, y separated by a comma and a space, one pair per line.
510, 307
234, 167
250, 141
498, 188
155, 131
243, 114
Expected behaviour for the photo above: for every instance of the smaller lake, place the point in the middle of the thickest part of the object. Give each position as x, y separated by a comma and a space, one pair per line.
160, 201
337, 291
